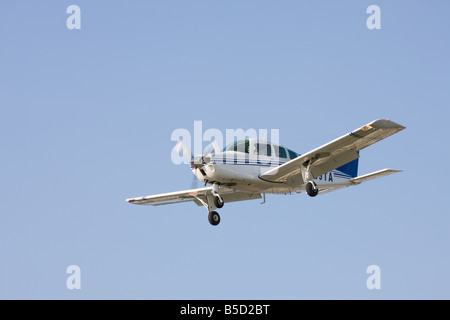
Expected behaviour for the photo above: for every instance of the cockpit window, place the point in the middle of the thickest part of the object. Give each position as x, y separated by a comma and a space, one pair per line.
238, 146
280, 151
263, 149
292, 154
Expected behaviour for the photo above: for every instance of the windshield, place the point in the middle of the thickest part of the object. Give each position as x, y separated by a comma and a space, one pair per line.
238, 146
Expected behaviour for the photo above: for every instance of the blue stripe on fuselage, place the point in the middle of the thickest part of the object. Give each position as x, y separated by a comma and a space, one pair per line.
267, 163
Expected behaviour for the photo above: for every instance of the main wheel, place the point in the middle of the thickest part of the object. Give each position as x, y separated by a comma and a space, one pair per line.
311, 189
214, 218
218, 202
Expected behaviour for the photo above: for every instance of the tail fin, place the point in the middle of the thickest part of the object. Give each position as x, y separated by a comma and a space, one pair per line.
350, 168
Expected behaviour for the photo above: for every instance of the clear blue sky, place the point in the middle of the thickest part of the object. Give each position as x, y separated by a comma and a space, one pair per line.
86, 119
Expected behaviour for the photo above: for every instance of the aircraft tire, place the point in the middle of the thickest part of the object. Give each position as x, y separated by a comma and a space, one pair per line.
214, 218
311, 189
218, 202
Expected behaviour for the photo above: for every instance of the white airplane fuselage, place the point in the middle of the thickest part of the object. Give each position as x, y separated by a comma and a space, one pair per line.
242, 172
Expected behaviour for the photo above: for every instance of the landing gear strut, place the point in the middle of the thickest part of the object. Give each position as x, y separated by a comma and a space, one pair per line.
218, 201
311, 187
211, 203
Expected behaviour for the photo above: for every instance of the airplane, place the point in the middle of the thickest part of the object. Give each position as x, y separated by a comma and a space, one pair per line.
251, 168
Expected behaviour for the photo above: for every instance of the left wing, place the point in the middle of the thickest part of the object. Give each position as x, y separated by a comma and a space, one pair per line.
335, 153
200, 196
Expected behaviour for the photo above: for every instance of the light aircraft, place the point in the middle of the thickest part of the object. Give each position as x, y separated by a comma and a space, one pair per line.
250, 168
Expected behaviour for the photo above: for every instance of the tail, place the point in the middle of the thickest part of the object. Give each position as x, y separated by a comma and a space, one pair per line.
350, 169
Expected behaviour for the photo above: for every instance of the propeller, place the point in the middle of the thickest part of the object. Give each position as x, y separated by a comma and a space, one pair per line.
195, 182
216, 147
180, 148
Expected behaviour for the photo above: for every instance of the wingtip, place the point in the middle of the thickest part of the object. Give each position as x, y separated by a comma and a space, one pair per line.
391, 170
387, 124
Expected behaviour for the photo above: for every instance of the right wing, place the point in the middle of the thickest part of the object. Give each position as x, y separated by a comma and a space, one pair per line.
200, 196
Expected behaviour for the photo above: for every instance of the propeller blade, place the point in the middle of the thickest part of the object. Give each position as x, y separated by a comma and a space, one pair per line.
194, 183
216, 147
180, 147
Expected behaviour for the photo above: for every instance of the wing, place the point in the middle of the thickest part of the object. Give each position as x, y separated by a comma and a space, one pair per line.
358, 180
335, 153
200, 196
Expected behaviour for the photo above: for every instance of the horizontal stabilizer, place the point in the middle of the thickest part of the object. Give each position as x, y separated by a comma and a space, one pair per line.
373, 175
358, 180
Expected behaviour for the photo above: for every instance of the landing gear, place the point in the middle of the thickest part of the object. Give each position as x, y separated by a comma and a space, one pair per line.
212, 202
311, 189
307, 175
218, 202
214, 218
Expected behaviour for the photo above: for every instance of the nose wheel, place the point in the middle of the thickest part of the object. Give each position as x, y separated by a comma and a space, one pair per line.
214, 218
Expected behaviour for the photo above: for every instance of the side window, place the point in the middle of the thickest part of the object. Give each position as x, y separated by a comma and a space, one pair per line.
263, 149
292, 154
280, 152
269, 150
242, 146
